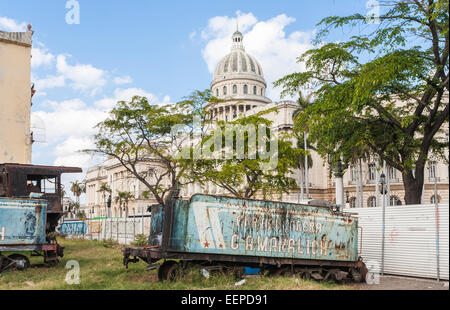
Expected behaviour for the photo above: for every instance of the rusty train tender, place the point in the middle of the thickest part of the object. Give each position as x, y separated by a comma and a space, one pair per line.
223, 233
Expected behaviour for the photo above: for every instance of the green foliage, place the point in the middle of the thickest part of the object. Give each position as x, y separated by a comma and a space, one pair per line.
140, 240
139, 135
102, 269
81, 214
384, 91
109, 243
235, 164
77, 188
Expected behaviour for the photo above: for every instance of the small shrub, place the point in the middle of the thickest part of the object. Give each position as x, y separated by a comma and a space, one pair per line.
140, 240
109, 243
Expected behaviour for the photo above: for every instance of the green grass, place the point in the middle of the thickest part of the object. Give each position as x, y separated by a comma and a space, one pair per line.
101, 269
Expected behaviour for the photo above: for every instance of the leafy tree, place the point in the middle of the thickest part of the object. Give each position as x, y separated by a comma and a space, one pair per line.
77, 188
146, 139
245, 175
104, 188
197, 105
123, 198
81, 215
386, 88
302, 142
73, 207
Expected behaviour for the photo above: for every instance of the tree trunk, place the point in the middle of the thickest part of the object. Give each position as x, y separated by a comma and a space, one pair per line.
413, 187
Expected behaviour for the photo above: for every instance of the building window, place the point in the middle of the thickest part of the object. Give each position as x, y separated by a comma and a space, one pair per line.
353, 202
234, 89
217, 92
354, 173
254, 90
392, 173
372, 202
433, 199
224, 90
394, 201
432, 170
262, 91
372, 172
245, 89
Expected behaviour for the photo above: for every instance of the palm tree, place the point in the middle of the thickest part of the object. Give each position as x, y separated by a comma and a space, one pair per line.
303, 103
360, 154
104, 188
301, 164
122, 198
77, 188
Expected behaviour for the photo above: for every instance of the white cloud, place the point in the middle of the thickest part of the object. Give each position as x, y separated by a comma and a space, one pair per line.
82, 77
123, 80
41, 56
126, 95
8, 24
51, 81
70, 125
69, 118
68, 153
79, 77
266, 40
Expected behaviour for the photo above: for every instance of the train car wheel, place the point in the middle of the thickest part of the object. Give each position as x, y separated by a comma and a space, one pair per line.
168, 271
356, 275
3, 262
238, 272
21, 262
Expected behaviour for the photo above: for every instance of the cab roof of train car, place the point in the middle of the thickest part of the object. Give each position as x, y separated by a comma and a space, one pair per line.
39, 170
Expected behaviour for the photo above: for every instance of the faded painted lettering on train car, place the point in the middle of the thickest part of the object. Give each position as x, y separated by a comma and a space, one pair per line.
224, 225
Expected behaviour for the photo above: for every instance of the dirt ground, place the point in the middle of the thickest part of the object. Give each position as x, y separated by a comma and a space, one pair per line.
403, 283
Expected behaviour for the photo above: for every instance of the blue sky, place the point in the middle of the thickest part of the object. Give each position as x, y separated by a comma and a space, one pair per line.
161, 49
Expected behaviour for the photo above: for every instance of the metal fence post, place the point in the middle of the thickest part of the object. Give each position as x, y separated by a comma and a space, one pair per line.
126, 236
142, 220
383, 219
104, 226
436, 206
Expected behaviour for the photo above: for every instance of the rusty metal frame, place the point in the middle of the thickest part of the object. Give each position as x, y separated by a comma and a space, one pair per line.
149, 255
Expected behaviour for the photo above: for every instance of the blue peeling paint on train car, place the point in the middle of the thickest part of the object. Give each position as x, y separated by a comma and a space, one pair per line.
230, 226
22, 221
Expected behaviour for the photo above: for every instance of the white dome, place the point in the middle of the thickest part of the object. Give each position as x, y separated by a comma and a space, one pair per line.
238, 64
239, 76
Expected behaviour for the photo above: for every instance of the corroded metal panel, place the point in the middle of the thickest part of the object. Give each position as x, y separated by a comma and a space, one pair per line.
22, 221
230, 226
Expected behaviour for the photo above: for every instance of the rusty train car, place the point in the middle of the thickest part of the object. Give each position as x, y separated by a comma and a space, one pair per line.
229, 234
30, 207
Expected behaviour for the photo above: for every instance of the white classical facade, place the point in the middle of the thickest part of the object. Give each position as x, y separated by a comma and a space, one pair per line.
239, 81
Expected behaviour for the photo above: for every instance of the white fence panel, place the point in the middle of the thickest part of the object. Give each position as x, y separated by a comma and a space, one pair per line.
122, 230
410, 239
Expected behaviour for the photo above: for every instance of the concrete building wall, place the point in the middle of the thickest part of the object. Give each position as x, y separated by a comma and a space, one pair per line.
15, 97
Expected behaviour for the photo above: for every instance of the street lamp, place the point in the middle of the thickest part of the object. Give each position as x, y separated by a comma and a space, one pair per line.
383, 182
